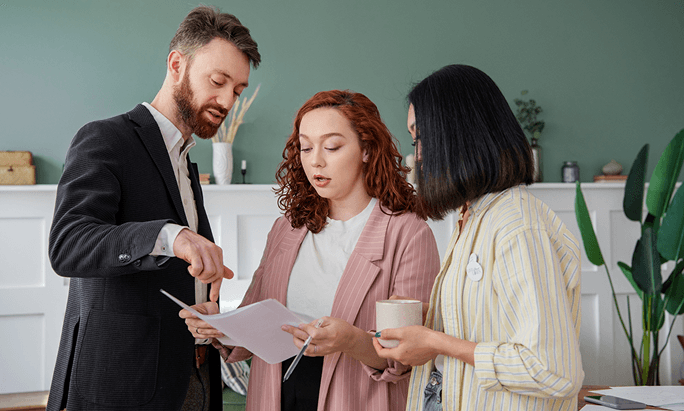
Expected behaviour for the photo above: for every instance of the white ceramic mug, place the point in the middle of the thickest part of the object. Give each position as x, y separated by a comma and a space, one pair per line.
395, 314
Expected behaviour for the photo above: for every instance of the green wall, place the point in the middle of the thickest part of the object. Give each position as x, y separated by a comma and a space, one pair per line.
609, 74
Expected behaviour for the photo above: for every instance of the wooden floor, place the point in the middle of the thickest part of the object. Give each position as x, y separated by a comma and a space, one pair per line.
36, 401
25, 401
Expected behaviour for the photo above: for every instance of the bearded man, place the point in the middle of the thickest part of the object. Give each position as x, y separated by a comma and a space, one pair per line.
129, 219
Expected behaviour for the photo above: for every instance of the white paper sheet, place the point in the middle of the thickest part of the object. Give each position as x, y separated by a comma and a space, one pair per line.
670, 397
256, 327
594, 407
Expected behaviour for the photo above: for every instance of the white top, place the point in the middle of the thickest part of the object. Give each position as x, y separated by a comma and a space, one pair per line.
320, 264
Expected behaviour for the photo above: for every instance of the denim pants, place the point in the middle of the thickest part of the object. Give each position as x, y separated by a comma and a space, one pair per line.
433, 393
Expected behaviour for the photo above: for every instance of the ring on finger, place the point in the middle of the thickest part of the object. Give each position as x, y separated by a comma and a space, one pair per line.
315, 349
197, 330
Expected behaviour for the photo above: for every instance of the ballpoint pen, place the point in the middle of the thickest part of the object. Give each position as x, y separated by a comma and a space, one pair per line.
301, 352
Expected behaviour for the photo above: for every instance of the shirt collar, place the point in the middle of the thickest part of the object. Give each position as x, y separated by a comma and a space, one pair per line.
172, 136
482, 203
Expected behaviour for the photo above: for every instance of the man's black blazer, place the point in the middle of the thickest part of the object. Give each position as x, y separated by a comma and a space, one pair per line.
123, 344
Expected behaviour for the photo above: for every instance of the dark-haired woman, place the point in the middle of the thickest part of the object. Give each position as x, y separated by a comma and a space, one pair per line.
502, 329
350, 236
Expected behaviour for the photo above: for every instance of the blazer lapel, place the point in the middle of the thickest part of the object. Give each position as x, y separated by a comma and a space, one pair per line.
359, 274
288, 249
360, 271
149, 133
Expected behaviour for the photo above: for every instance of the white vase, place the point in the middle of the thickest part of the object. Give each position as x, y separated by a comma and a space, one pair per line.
222, 162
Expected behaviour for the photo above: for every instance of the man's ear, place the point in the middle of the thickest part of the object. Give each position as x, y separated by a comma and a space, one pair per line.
175, 64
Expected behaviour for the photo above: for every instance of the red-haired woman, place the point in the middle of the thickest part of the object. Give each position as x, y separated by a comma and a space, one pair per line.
350, 236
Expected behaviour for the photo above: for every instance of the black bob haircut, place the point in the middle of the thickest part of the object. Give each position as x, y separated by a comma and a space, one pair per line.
471, 141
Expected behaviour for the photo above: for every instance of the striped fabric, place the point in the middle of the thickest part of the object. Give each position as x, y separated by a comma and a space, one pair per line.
524, 313
395, 255
235, 375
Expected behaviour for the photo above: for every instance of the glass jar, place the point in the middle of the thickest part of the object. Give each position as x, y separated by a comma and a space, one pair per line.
570, 172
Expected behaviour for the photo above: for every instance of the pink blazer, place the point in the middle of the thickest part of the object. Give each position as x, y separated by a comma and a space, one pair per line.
395, 255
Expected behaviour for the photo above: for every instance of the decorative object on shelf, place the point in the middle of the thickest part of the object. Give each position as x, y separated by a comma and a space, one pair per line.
16, 168
662, 240
611, 173
204, 178
223, 140
610, 179
570, 172
612, 169
243, 170
527, 117
537, 159
222, 162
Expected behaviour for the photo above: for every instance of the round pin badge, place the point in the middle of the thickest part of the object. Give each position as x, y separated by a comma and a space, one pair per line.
474, 269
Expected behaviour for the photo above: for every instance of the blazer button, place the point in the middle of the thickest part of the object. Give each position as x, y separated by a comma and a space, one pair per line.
137, 263
124, 258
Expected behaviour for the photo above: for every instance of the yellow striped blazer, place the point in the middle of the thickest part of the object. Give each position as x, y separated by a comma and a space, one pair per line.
524, 312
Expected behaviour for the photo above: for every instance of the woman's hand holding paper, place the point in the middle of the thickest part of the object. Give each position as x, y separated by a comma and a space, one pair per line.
198, 327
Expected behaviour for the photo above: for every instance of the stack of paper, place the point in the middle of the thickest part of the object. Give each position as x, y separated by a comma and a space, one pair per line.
668, 397
256, 327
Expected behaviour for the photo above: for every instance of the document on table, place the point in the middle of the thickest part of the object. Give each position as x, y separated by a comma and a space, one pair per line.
668, 397
256, 327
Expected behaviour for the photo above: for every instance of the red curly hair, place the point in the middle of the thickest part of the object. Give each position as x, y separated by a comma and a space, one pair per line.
384, 176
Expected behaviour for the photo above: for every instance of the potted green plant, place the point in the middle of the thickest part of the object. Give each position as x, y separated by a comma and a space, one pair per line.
526, 113
662, 240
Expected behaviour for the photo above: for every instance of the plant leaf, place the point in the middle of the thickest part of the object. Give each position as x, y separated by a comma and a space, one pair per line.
591, 245
627, 271
675, 293
658, 309
646, 263
649, 314
671, 233
665, 176
633, 201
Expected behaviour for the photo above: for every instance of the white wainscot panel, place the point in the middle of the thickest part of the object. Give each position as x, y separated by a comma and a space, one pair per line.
590, 338
33, 297
23, 256
241, 217
251, 229
21, 353
623, 237
568, 218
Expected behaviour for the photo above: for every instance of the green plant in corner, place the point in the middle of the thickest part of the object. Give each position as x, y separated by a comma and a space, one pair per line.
527, 116
662, 240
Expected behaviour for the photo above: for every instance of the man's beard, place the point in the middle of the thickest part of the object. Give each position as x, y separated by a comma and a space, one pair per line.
191, 115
